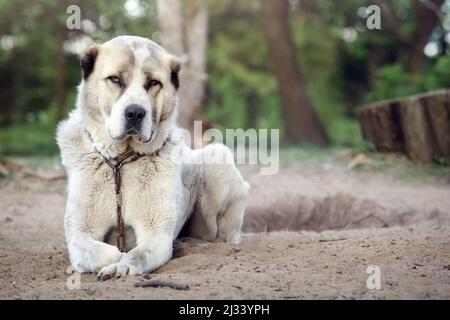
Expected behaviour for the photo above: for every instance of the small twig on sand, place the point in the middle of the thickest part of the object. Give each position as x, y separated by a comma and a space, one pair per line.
162, 283
329, 240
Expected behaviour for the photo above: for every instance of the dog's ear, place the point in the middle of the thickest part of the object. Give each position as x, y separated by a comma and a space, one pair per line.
175, 67
87, 61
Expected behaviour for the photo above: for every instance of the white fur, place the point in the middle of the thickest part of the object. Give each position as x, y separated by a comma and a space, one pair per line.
159, 192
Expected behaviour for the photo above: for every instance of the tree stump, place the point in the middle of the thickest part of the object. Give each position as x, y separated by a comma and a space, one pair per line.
418, 126
437, 113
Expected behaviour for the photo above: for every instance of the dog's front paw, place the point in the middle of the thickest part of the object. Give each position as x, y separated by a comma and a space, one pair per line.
107, 272
92, 256
137, 261
132, 263
105, 257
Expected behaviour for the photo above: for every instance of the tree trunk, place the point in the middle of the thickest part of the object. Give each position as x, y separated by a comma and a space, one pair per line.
196, 35
427, 18
301, 122
416, 58
170, 19
185, 35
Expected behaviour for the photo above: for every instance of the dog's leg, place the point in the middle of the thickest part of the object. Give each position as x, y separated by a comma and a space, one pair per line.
223, 197
153, 250
230, 222
154, 237
219, 218
89, 255
86, 253
204, 221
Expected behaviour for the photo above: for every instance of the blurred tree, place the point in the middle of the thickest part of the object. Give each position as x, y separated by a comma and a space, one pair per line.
427, 16
38, 68
241, 88
184, 30
301, 121
342, 63
60, 77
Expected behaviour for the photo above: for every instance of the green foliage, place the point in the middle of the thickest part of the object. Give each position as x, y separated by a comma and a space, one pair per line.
439, 74
385, 84
387, 80
28, 72
242, 90
321, 69
35, 136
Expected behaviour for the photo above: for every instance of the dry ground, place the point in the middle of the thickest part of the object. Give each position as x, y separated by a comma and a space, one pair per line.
311, 232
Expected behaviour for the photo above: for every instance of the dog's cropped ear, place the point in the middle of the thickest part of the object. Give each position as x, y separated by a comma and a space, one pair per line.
175, 67
87, 61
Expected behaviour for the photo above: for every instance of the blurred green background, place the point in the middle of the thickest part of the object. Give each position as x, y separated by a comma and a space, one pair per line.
344, 65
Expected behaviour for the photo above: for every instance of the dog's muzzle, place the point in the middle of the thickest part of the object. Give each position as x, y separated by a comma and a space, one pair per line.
134, 115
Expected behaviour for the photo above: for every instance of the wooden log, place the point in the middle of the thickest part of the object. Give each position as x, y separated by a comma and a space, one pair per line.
387, 137
367, 124
437, 114
417, 125
380, 125
398, 126
415, 130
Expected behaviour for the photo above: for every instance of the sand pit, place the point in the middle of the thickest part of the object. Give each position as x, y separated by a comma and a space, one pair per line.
309, 233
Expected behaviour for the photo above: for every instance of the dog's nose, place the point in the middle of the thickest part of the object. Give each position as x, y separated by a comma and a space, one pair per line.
134, 113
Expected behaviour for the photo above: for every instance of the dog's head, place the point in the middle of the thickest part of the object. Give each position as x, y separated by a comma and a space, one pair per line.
130, 86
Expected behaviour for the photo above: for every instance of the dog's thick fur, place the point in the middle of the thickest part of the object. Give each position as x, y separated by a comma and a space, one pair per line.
160, 190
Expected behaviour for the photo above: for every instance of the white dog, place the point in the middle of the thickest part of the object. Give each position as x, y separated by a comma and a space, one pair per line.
126, 110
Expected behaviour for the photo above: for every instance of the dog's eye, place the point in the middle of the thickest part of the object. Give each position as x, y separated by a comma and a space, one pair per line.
115, 80
152, 83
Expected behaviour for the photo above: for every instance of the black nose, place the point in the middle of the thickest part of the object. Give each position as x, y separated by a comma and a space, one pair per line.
134, 113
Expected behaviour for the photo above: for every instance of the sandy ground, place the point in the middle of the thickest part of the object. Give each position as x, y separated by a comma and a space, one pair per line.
309, 234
